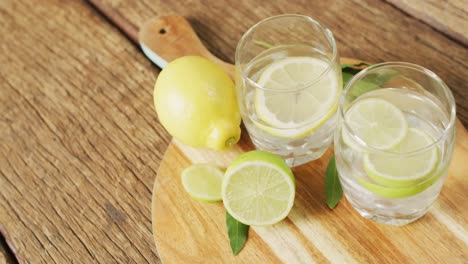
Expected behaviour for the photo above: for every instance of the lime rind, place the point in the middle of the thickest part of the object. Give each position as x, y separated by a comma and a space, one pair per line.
296, 133
203, 182
400, 192
395, 193
396, 170
258, 189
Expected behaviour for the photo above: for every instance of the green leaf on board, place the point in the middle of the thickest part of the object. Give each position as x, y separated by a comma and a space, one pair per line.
333, 190
237, 233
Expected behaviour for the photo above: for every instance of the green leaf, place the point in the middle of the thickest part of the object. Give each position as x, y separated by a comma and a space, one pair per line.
333, 190
346, 77
237, 233
349, 70
370, 83
362, 87
263, 44
356, 65
380, 79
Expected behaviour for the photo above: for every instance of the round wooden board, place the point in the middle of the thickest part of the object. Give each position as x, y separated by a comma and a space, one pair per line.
188, 231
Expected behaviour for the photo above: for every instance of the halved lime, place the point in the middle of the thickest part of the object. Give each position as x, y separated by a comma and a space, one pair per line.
292, 105
376, 122
258, 188
395, 170
203, 182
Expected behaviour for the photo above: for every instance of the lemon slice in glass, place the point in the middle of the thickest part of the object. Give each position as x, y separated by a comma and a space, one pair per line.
395, 170
299, 95
203, 182
376, 122
258, 188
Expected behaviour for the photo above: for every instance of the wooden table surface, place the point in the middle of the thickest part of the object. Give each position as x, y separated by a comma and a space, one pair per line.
80, 143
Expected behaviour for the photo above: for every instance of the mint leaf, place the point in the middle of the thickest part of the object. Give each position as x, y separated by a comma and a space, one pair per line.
333, 190
237, 233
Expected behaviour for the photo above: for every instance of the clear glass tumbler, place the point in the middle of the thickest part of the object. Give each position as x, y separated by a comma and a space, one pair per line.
394, 141
288, 80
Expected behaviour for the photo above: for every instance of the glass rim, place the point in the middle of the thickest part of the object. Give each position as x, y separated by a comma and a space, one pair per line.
327, 32
430, 74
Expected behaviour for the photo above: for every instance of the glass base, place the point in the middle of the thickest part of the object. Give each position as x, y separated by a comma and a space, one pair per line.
294, 161
391, 220
293, 156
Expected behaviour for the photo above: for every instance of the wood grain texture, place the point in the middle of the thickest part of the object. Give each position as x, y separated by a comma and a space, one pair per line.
186, 229
79, 141
372, 30
6, 256
448, 16
168, 35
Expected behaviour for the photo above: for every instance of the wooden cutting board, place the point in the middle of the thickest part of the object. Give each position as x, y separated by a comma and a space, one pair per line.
188, 231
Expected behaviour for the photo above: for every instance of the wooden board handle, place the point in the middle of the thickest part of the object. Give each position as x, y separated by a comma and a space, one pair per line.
171, 37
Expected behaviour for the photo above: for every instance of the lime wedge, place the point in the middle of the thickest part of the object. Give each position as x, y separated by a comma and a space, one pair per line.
393, 170
258, 188
292, 105
376, 122
203, 182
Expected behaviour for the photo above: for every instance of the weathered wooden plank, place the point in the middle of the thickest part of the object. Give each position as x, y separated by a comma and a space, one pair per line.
448, 16
79, 142
372, 30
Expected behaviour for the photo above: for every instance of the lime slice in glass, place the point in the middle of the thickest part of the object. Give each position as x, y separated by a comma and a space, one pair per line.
203, 182
401, 192
291, 105
258, 189
376, 122
395, 170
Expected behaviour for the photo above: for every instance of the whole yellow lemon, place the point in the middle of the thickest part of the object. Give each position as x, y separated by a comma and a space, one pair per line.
196, 102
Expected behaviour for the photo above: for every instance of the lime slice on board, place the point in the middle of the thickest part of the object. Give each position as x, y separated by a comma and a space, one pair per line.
258, 188
292, 105
405, 170
376, 122
203, 182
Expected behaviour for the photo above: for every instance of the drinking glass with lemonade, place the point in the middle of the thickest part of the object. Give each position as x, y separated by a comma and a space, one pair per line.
288, 79
396, 129
395, 141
